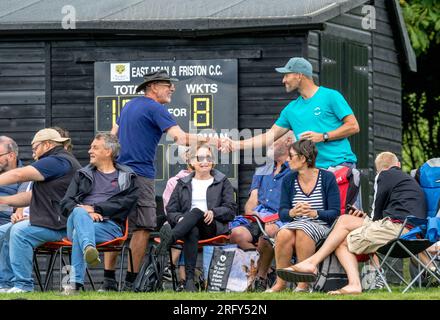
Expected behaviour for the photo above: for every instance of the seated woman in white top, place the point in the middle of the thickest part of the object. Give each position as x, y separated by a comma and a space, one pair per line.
201, 206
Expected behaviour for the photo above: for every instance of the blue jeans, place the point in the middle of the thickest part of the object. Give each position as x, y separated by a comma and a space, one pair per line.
6, 274
83, 232
18, 250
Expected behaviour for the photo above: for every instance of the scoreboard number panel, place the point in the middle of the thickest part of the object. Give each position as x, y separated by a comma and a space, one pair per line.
202, 109
205, 98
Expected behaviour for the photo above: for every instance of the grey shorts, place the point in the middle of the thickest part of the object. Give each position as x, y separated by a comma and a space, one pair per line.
144, 216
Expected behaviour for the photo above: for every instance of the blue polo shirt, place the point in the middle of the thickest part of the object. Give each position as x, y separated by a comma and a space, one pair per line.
269, 192
269, 187
321, 113
141, 125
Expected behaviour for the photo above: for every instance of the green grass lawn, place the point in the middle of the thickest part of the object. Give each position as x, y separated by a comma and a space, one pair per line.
418, 294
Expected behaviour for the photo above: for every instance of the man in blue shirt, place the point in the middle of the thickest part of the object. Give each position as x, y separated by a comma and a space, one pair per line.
319, 114
264, 200
139, 128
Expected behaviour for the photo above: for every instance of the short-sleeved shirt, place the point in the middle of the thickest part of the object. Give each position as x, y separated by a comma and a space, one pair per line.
321, 113
141, 125
269, 187
105, 186
52, 167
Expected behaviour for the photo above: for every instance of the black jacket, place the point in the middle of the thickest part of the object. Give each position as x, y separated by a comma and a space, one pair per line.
397, 195
219, 198
116, 207
47, 194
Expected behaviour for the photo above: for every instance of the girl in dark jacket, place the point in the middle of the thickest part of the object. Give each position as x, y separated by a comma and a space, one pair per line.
200, 207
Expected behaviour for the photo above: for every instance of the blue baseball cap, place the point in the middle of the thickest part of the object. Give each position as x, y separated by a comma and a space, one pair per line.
297, 65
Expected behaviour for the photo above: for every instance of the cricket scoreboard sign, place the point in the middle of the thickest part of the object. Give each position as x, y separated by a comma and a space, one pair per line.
204, 102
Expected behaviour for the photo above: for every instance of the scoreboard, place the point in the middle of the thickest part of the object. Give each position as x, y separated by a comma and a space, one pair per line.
204, 102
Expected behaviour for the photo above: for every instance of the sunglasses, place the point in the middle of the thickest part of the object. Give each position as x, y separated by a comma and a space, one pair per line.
203, 158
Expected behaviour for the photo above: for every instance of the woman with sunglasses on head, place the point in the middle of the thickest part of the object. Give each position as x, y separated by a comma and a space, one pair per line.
201, 206
309, 205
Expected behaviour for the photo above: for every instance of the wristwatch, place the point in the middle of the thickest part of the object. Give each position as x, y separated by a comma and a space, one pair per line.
325, 136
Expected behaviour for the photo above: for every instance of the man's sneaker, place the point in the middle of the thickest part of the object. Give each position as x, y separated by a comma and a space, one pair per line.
91, 256
108, 284
16, 290
166, 239
167, 274
260, 284
128, 286
180, 286
378, 282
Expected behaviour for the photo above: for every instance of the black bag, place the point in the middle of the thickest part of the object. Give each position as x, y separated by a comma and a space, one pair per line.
149, 278
331, 275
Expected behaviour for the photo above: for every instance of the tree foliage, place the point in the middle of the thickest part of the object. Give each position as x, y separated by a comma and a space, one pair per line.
421, 90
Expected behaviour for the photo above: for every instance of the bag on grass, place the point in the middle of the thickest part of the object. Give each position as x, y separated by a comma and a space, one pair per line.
331, 275
229, 268
150, 276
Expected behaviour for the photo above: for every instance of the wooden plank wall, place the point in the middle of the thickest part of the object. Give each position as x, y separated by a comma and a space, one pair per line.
387, 83
22, 91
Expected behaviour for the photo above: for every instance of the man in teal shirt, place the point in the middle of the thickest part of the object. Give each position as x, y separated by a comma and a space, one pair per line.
319, 114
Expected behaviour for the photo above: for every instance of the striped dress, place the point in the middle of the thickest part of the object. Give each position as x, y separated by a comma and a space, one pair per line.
316, 229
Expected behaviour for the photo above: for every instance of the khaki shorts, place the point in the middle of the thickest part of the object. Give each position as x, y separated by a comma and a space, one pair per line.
144, 216
373, 235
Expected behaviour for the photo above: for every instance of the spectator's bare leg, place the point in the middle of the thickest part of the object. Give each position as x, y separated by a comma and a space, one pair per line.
266, 251
350, 265
242, 237
285, 242
346, 223
175, 254
138, 246
110, 260
304, 247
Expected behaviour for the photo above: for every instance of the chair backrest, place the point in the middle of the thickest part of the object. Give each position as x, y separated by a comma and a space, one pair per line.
348, 181
428, 176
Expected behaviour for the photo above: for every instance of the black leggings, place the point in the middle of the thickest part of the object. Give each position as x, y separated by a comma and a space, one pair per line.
191, 229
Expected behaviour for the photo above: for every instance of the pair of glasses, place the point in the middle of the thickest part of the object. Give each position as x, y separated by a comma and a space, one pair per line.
3, 154
163, 84
203, 158
34, 148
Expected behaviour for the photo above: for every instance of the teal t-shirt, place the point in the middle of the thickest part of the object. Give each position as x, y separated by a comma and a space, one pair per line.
321, 113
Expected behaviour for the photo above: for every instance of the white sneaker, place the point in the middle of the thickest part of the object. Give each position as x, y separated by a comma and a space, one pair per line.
16, 290
4, 290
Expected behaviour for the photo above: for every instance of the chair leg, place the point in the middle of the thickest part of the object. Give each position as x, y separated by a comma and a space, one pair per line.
49, 271
173, 272
378, 270
421, 264
62, 264
122, 266
90, 279
37, 272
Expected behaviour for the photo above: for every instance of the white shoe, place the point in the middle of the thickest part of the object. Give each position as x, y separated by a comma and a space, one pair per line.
4, 290
16, 290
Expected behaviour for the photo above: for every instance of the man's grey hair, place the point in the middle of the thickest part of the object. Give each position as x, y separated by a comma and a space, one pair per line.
110, 142
9, 144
